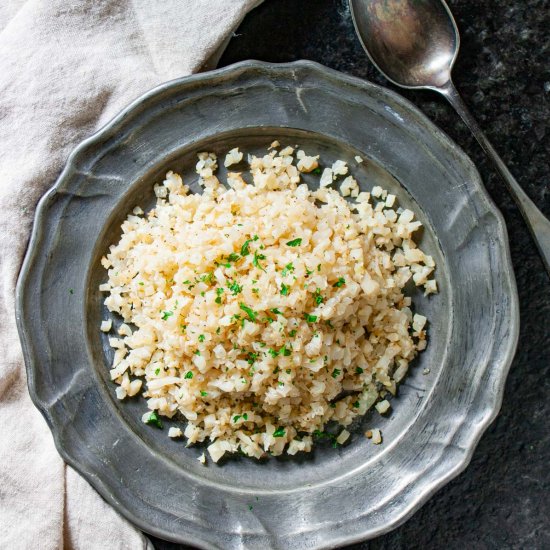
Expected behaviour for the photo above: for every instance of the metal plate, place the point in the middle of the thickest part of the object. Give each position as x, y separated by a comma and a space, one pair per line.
332, 496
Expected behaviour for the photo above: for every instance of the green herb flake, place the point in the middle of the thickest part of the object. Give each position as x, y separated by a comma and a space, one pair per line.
218, 330
356, 405
316, 171
292, 333
250, 507
317, 297
256, 260
284, 290
166, 314
358, 370
197, 352
310, 318
154, 420
157, 371
201, 337
319, 267
245, 416
189, 374
340, 282
279, 432
245, 248
336, 373
141, 283
295, 242
329, 323
276, 311
204, 393
288, 371
250, 312
71, 291
285, 351
235, 288
186, 282
233, 257
236, 418
218, 300
289, 268
273, 353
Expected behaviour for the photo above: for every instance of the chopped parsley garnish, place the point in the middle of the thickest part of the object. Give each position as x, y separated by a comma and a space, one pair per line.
154, 420
201, 337
197, 352
235, 288
319, 267
166, 314
218, 330
245, 251
255, 290
141, 283
236, 418
316, 171
186, 282
356, 404
329, 323
289, 268
279, 432
204, 393
207, 277
292, 333
256, 259
250, 312
251, 357
285, 351
219, 291
336, 373
358, 370
340, 282
218, 300
310, 318
71, 291
273, 353
284, 290
317, 297
276, 311
183, 327
288, 371
245, 416
295, 242
233, 257
188, 375
157, 371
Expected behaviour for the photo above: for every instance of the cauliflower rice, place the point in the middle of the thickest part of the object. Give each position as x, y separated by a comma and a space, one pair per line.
259, 312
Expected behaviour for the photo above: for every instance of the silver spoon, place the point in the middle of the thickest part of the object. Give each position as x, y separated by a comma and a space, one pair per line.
414, 44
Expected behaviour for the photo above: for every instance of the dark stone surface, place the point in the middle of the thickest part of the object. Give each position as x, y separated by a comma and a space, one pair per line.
502, 500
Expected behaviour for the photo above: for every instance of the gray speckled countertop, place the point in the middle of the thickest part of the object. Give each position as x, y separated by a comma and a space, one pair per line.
502, 500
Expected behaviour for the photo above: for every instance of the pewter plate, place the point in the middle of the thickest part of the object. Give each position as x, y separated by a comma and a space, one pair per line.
332, 496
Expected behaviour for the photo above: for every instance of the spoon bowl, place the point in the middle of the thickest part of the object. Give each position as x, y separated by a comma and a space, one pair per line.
414, 44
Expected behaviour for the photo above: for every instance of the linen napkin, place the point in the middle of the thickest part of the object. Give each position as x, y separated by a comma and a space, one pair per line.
66, 68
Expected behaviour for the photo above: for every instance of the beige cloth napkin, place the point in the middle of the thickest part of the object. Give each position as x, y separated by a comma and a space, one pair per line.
66, 68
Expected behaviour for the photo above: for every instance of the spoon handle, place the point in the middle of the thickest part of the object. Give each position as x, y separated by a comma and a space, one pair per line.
535, 219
